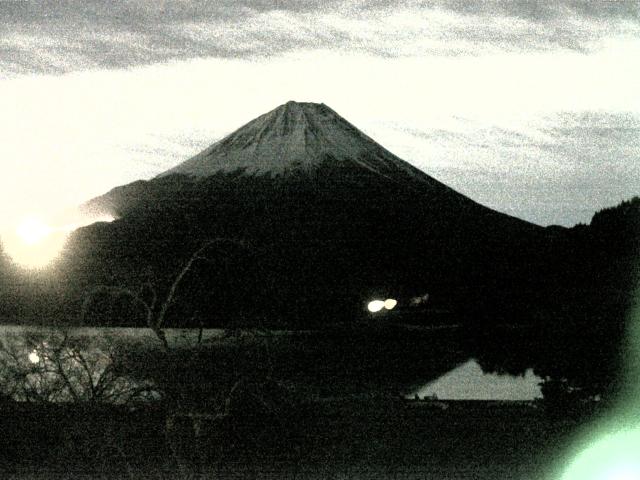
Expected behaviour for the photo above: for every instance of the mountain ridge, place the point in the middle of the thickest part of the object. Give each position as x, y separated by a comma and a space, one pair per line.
330, 213
295, 136
294, 142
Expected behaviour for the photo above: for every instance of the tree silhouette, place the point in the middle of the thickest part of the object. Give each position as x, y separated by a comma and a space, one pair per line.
147, 295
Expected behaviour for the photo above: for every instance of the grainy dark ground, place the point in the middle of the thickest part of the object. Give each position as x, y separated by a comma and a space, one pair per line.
360, 439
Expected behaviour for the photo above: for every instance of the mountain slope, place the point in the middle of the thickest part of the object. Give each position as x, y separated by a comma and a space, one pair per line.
294, 143
296, 137
330, 218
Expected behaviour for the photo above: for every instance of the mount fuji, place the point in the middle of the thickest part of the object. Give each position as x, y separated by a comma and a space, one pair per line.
293, 140
328, 219
297, 137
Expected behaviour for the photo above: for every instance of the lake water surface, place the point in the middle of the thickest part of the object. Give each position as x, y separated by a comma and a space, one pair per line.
466, 381
469, 382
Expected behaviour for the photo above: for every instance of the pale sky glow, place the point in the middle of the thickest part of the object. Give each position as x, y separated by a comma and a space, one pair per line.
35, 242
32, 230
536, 117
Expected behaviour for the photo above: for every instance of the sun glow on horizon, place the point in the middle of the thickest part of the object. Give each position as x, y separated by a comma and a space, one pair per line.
33, 230
34, 243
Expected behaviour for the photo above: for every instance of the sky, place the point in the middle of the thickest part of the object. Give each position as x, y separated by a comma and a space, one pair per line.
531, 108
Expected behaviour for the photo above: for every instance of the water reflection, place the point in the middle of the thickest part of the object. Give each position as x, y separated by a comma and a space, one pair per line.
200, 364
469, 382
51, 365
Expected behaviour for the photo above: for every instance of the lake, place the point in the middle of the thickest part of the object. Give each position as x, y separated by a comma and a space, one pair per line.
469, 382
327, 362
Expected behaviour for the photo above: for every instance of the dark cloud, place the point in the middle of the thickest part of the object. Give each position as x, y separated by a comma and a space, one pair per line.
56, 36
544, 10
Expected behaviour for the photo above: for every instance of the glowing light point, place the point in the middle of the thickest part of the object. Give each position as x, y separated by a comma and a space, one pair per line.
390, 303
375, 306
34, 357
33, 243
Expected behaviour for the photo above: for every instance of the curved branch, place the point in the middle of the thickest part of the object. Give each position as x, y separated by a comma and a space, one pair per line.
197, 255
115, 291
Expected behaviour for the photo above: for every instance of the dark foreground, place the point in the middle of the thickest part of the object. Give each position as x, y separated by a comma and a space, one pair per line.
326, 438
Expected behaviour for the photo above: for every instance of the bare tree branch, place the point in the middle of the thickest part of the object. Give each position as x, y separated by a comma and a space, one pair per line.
197, 255
155, 321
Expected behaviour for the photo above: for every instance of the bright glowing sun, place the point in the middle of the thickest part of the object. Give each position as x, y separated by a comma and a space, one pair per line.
33, 230
33, 243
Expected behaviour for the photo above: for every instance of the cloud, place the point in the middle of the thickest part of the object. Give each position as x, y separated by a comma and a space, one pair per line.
47, 36
550, 169
550, 147
501, 100
545, 11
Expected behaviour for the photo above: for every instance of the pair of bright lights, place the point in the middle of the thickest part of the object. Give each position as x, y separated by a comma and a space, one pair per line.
377, 305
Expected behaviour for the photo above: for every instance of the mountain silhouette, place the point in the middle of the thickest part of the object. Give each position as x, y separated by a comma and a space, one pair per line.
322, 219
293, 140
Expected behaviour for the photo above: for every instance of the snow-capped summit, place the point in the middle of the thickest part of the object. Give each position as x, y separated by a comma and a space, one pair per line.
295, 137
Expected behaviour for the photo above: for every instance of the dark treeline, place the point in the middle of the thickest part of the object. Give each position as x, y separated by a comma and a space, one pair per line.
592, 284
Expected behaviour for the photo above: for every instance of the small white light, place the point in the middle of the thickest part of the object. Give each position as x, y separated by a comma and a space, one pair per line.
34, 357
375, 306
390, 303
